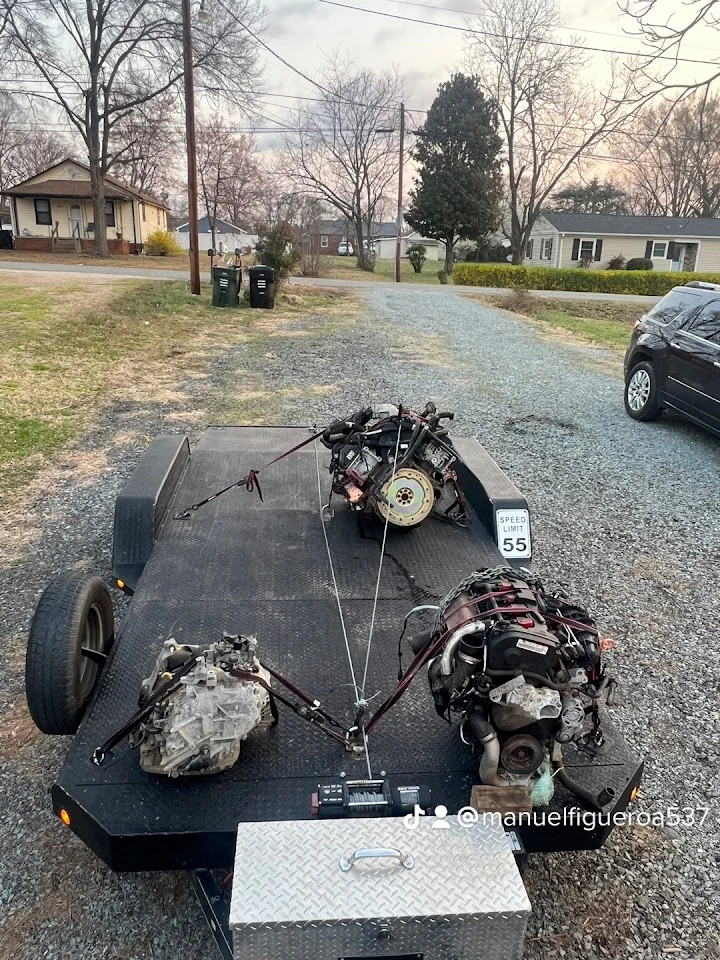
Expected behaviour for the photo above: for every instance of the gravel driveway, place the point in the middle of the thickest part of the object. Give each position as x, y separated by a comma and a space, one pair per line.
625, 515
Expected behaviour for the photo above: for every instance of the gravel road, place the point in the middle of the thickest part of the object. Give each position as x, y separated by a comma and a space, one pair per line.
625, 515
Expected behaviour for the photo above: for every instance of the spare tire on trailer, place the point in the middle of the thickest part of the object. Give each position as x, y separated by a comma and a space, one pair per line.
71, 635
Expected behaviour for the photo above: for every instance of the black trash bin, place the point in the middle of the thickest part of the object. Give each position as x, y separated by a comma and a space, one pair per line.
226, 286
262, 287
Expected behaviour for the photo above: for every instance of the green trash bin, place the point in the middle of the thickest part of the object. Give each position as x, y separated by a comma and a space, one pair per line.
226, 286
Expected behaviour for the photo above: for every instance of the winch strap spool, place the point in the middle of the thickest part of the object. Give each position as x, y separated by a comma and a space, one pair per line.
249, 481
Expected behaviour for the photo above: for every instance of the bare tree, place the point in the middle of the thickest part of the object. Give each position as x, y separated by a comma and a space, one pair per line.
230, 174
26, 146
147, 144
674, 158
549, 118
101, 59
308, 215
344, 150
664, 32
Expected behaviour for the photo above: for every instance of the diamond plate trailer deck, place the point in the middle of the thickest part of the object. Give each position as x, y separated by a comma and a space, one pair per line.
243, 565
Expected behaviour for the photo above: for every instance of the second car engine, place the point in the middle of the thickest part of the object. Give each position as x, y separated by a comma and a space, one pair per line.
521, 671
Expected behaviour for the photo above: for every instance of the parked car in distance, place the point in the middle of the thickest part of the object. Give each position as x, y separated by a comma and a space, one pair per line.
345, 249
673, 360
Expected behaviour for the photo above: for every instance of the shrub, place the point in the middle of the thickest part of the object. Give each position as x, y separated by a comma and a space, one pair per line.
366, 261
641, 282
518, 300
275, 249
617, 262
162, 243
639, 263
416, 256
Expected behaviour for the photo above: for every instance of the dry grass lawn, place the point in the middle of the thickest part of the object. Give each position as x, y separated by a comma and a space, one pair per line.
178, 262
69, 347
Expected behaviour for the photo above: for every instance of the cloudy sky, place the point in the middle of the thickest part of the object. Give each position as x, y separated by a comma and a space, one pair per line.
305, 31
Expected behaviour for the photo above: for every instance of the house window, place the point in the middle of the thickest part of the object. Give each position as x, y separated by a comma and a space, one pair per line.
109, 213
142, 207
323, 241
157, 215
529, 249
585, 249
546, 249
42, 212
660, 250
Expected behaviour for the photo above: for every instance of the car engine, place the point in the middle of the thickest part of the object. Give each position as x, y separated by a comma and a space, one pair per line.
405, 490
199, 727
521, 670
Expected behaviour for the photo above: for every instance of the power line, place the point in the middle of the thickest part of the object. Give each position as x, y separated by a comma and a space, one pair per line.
470, 13
489, 33
286, 63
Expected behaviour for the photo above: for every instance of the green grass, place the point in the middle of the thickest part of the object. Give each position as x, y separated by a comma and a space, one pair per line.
602, 333
602, 323
23, 436
345, 268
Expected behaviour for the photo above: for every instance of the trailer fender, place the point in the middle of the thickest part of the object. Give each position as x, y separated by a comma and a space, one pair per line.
142, 505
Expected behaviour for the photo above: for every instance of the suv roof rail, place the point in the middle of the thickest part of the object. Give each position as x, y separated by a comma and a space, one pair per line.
705, 284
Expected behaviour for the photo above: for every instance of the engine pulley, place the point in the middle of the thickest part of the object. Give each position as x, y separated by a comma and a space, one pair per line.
409, 498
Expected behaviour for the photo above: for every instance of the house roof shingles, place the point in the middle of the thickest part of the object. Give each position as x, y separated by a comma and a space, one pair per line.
71, 189
590, 224
115, 189
221, 226
345, 228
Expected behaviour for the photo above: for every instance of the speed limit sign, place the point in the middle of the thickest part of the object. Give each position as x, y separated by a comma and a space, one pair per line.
513, 534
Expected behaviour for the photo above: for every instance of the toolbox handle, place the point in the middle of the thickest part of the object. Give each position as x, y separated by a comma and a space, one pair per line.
346, 863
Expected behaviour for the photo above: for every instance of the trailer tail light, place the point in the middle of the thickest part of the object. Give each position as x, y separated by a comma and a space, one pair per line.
121, 584
65, 817
634, 793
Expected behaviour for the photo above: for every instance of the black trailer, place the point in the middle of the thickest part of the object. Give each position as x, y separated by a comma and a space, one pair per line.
246, 565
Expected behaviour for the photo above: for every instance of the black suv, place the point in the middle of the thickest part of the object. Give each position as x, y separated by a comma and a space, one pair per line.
674, 357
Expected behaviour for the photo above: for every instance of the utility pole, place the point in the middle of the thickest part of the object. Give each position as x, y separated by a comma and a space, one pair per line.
191, 150
398, 238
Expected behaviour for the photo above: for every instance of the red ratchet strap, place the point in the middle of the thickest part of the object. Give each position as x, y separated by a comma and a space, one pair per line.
433, 648
573, 624
249, 481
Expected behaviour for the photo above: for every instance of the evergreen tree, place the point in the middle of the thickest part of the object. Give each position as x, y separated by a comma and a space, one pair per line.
458, 188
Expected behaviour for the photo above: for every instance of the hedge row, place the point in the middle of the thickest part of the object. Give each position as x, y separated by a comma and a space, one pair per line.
644, 282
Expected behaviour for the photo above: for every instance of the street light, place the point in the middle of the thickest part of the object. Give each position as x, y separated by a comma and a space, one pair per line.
191, 145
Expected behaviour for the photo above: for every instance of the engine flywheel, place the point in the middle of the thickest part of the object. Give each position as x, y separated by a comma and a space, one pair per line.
410, 498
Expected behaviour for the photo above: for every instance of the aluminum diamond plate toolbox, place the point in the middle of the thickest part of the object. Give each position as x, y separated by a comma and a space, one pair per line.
360, 889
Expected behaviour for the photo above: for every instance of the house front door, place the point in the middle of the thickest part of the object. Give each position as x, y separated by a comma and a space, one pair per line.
678, 256
76, 224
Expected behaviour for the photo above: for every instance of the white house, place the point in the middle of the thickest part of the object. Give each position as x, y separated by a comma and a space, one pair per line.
385, 246
672, 243
228, 236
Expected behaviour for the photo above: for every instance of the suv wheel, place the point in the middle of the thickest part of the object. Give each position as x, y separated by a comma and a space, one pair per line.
641, 400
